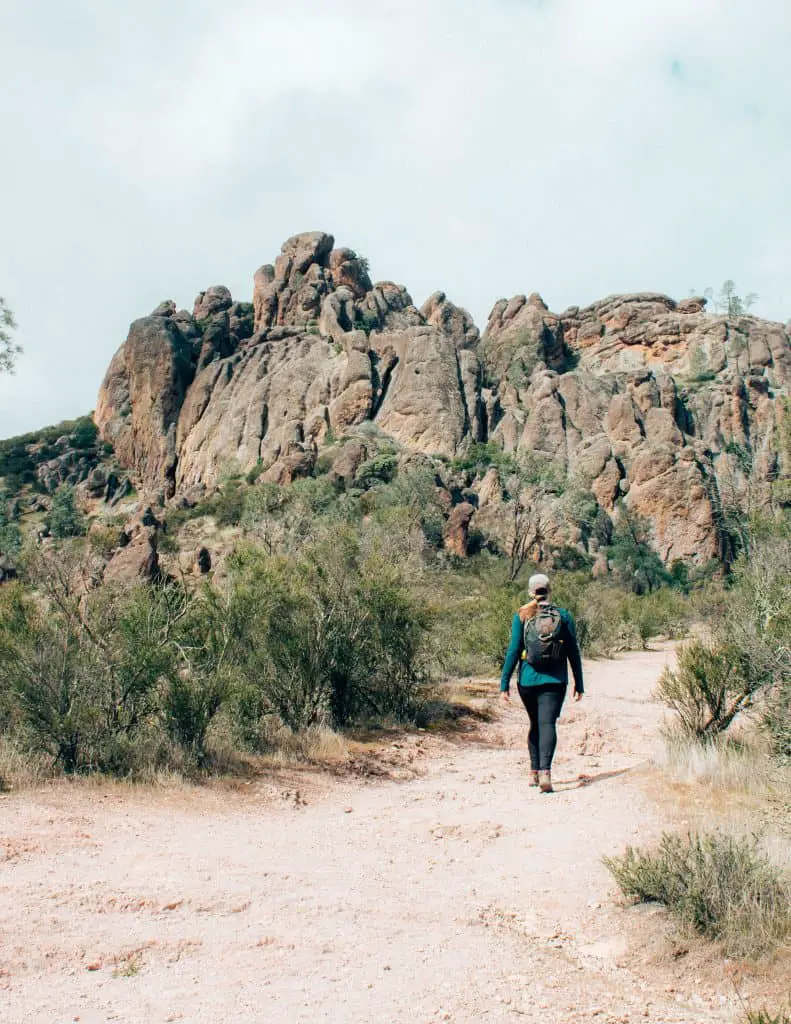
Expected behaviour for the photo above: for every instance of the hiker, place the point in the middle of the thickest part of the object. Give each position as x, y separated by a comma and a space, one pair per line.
543, 643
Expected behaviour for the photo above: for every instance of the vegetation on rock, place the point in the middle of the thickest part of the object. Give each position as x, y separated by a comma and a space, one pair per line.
9, 349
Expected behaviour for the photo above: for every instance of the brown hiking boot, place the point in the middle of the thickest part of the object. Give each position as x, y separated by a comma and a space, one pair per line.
533, 779
545, 782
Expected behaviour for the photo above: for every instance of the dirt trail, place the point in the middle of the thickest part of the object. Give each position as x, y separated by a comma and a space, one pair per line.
458, 896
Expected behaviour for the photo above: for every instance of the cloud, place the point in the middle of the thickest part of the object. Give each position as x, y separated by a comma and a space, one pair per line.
572, 148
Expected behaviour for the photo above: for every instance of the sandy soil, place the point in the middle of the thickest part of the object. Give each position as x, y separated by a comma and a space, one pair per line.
458, 895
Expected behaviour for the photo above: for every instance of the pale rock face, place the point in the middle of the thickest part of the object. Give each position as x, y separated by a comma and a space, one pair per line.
635, 398
141, 396
424, 407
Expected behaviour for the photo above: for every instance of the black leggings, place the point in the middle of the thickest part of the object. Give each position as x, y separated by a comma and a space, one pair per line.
543, 705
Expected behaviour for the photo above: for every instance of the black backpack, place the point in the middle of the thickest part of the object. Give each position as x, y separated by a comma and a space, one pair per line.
543, 637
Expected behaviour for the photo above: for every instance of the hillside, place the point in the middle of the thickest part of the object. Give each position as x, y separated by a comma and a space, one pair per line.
635, 403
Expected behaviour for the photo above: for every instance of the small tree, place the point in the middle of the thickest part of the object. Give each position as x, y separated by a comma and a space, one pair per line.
632, 555
533, 482
709, 688
525, 533
10, 533
334, 635
205, 672
263, 505
64, 519
83, 665
727, 302
9, 350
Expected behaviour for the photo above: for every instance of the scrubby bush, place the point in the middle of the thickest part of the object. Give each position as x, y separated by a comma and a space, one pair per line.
720, 886
64, 519
634, 560
334, 635
11, 539
571, 559
777, 719
710, 686
381, 468
81, 673
229, 503
747, 663
203, 675
482, 455
415, 496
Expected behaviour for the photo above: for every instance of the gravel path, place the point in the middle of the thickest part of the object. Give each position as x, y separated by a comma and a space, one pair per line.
460, 895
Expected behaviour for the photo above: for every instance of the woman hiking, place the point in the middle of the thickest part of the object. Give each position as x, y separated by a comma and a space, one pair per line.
543, 644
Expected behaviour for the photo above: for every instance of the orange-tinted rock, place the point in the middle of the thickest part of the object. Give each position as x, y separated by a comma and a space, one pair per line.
457, 529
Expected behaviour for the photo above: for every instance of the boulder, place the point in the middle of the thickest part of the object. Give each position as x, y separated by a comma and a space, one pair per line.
214, 300
141, 397
297, 462
347, 462
137, 560
457, 529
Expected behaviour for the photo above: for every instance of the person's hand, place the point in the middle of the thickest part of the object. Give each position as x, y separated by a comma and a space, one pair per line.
578, 696
506, 696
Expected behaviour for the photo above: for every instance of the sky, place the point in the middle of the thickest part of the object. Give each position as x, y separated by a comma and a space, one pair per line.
153, 148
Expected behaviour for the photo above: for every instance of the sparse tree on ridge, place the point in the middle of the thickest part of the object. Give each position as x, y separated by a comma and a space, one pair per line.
9, 349
727, 302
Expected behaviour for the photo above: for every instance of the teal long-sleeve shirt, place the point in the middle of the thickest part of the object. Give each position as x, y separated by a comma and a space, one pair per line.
529, 676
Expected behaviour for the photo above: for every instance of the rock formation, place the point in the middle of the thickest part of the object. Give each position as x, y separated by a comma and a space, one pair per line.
635, 398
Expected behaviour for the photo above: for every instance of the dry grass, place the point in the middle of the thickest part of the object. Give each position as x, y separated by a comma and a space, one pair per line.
734, 764
19, 768
732, 884
317, 745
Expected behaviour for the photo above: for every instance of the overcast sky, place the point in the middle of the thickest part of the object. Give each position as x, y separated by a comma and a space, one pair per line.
152, 148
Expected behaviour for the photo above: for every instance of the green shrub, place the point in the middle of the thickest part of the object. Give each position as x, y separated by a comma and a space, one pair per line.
195, 693
720, 886
634, 560
105, 539
229, 504
710, 686
254, 473
64, 519
11, 539
413, 492
752, 618
83, 672
476, 629
379, 469
334, 635
366, 320
570, 559
481, 455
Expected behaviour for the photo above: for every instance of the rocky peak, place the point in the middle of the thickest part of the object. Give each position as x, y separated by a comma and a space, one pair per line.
290, 291
214, 300
635, 398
